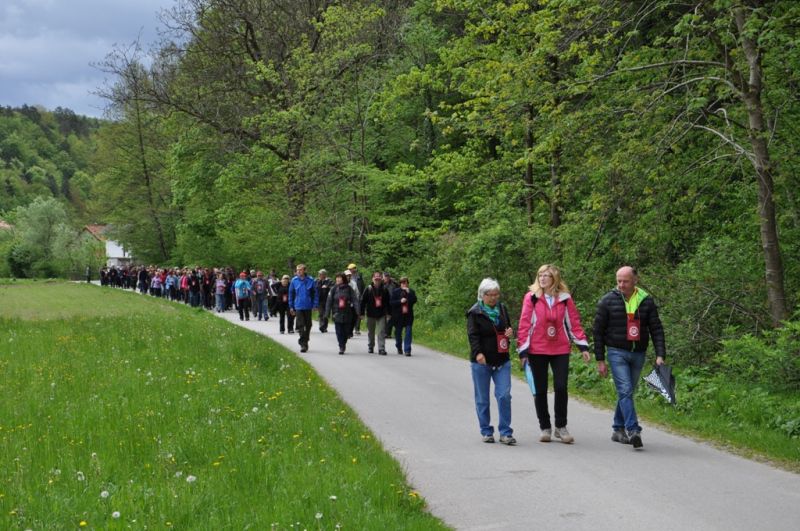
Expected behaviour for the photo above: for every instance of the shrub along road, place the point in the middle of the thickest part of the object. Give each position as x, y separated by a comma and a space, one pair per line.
422, 410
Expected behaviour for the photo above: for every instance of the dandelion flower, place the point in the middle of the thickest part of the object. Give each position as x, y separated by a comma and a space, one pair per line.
104, 494
190, 479
178, 474
255, 410
83, 523
80, 476
318, 516
332, 497
115, 515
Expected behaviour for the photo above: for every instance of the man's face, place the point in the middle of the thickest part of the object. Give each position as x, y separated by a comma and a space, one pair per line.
301, 271
377, 279
626, 282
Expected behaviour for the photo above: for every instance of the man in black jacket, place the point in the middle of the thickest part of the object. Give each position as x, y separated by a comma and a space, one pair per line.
625, 321
375, 305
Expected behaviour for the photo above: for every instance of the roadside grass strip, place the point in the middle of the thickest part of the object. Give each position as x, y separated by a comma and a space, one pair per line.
121, 411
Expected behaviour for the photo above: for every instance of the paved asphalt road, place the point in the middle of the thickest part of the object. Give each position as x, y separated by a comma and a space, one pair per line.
422, 410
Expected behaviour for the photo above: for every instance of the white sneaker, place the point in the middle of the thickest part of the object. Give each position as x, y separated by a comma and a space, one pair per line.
545, 436
563, 434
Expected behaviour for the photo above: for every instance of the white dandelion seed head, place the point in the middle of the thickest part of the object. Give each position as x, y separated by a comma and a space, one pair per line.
190, 479
178, 474
332, 497
255, 410
115, 515
318, 516
104, 494
80, 476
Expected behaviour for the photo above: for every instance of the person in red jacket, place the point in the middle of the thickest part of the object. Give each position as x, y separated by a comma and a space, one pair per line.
549, 323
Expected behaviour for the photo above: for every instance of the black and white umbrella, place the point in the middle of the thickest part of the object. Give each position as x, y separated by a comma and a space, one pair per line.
662, 380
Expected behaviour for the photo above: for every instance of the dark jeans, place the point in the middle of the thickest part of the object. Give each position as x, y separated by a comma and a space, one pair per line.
342, 334
560, 366
244, 309
303, 324
285, 318
260, 310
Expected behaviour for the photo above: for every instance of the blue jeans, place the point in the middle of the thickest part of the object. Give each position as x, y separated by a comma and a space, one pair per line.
260, 310
626, 367
482, 375
403, 342
220, 302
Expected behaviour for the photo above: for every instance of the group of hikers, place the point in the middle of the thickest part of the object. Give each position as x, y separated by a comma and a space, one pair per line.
626, 319
386, 305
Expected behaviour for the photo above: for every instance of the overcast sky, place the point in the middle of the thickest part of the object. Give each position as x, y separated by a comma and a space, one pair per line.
46, 47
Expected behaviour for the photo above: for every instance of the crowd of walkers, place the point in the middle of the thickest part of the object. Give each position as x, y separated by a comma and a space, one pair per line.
387, 306
626, 320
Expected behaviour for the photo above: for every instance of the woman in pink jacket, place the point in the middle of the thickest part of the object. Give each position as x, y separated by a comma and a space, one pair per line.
548, 324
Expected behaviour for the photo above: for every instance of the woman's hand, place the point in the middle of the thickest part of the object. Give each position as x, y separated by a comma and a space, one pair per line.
586, 356
481, 359
509, 332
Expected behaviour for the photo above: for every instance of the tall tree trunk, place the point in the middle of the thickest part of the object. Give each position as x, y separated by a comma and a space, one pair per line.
529, 165
162, 245
770, 244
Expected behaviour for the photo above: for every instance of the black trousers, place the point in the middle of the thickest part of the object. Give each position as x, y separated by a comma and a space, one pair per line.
244, 309
560, 367
303, 325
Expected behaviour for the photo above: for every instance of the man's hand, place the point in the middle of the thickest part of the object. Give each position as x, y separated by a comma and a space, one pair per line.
659, 360
602, 369
481, 359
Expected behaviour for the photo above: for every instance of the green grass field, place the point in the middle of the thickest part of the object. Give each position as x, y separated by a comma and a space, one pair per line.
120, 411
751, 421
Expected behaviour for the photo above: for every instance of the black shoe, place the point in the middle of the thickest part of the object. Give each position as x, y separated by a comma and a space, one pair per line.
399, 352
620, 436
371, 351
382, 352
303, 349
283, 332
341, 352
636, 440
408, 354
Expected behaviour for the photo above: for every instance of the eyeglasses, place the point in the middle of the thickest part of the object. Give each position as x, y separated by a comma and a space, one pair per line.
544, 275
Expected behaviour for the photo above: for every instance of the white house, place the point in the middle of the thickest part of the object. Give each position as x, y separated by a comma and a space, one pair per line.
116, 255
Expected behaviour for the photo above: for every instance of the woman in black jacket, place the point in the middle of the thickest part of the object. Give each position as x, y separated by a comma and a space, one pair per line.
282, 305
340, 303
489, 331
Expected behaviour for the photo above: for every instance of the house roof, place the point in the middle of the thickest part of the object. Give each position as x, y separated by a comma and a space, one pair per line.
98, 231
5, 226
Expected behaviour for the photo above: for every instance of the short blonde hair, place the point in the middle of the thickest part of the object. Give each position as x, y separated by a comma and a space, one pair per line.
559, 286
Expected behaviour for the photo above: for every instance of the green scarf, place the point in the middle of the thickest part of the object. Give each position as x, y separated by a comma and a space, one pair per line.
493, 313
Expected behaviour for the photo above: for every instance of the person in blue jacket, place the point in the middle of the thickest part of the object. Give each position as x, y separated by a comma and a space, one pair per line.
303, 298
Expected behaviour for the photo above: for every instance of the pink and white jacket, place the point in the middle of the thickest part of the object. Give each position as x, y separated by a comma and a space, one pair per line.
549, 330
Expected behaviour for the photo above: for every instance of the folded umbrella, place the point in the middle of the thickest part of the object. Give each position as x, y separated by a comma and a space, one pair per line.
662, 380
529, 377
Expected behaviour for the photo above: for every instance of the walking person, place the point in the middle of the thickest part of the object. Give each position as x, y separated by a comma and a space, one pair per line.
220, 287
242, 289
548, 324
390, 285
339, 306
626, 319
357, 308
360, 286
323, 285
285, 317
489, 332
375, 305
260, 292
303, 298
402, 303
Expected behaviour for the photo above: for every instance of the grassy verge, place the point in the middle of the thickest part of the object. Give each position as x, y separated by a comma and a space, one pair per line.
122, 411
749, 420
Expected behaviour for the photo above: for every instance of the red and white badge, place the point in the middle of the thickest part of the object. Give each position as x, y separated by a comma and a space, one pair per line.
551, 332
502, 343
634, 329
378, 302
285, 298
404, 309
342, 303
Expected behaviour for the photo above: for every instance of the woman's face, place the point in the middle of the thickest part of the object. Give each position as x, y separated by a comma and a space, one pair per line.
490, 298
339, 280
546, 280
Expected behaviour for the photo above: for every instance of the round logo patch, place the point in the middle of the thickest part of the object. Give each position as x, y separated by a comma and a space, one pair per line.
551, 331
634, 331
504, 344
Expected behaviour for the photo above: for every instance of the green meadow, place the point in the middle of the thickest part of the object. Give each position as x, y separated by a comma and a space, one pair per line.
120, 411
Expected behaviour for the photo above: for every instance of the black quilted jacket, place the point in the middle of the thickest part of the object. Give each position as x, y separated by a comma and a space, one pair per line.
611, 330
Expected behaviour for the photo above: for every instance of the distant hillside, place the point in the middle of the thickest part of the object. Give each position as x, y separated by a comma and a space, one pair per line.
44, 153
